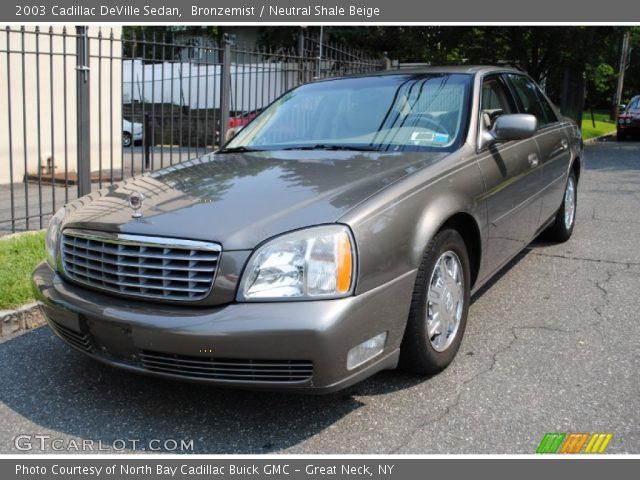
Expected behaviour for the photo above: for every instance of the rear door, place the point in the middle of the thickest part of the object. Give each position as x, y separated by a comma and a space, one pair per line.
512, 177
552, 139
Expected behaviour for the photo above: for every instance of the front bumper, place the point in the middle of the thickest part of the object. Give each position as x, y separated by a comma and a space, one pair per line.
123, 333
632, 128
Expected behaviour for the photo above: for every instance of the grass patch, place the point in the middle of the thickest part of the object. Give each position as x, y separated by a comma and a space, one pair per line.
603, 125
19, 255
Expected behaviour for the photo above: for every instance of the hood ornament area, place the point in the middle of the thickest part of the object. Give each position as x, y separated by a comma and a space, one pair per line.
136, 199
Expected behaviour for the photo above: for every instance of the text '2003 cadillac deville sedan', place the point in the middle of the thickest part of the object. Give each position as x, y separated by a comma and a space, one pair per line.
339, 233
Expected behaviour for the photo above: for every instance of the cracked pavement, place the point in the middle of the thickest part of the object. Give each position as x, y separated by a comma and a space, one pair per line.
552, 345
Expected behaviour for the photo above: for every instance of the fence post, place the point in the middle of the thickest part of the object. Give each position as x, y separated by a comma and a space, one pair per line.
301, 58
225, 89
83, 114
386, 62
147, 138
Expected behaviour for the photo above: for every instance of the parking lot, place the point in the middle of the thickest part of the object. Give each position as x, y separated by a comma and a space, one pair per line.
552, 345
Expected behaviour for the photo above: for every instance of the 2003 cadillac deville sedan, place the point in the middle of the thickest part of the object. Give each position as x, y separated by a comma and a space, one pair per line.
340, 233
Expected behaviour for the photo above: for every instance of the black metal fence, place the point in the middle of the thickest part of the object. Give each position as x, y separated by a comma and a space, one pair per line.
85, 108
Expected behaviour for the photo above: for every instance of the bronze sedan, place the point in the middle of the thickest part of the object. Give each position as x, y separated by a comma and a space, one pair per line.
339, 233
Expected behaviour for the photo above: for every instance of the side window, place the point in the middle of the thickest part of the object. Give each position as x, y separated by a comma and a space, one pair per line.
495, 102
531, 100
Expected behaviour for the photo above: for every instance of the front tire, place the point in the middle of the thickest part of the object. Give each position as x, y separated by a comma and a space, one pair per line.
562, 227
439, 306
126, 139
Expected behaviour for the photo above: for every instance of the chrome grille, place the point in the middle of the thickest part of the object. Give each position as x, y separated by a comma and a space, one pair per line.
236, 370
146, 267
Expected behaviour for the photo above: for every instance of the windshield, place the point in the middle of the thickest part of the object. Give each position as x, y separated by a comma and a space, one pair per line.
387, 113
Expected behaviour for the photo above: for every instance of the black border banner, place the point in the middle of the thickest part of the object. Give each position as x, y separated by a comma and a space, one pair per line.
307, 11
388, 468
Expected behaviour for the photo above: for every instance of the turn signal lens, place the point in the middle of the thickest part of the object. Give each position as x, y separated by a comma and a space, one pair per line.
52, 239
344, 264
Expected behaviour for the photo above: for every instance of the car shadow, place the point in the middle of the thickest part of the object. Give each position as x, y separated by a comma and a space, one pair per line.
503, 271
61, 390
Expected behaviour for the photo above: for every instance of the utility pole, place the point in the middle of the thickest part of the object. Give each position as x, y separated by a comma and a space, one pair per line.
624, 60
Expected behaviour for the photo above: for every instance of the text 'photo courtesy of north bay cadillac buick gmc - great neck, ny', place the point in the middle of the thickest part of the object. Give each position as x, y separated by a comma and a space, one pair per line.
340, 232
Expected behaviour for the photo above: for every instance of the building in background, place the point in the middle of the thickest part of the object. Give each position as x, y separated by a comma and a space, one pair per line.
38, 101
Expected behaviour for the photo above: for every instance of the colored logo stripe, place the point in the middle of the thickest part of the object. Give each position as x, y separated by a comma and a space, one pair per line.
550, 443
598, 443
574, 442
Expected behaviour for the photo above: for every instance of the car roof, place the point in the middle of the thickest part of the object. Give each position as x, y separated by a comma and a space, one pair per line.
464, 69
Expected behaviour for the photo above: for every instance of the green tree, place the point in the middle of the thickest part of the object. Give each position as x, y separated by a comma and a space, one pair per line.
632, 74
138, 40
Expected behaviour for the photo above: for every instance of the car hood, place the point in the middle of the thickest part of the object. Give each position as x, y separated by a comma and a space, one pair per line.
240, 200
631, 113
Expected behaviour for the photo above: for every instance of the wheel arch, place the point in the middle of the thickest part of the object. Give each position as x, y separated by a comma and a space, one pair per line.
460, 219
576, 167
465, 224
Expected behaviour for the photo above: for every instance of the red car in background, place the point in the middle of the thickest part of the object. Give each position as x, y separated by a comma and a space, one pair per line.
629, 119
236, 122
243, 119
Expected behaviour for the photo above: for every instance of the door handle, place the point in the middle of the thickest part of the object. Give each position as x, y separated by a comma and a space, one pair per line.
533, 160
562, 147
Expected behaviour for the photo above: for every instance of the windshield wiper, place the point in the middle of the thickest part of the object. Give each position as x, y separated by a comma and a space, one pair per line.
239, 150
328, 146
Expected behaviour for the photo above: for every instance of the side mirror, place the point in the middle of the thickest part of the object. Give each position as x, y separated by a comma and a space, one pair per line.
515, 126
621, 107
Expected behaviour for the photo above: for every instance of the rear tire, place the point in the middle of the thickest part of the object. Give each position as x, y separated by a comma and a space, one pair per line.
562, 227
439, 306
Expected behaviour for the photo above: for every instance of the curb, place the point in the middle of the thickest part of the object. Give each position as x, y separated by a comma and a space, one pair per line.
598, 138
26, 317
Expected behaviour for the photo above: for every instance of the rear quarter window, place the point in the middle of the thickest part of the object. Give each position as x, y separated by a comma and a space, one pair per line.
531, 100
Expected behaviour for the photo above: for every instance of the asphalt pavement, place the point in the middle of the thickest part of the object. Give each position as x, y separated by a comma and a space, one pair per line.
552, 345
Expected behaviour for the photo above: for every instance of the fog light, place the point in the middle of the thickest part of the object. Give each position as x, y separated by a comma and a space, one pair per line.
366, 351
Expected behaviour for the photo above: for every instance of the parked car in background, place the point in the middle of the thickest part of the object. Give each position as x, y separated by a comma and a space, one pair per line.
243, 119
341, 233
131, 132
629, 119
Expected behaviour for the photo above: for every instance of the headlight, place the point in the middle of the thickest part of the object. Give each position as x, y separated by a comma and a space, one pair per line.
52, 239
314, 263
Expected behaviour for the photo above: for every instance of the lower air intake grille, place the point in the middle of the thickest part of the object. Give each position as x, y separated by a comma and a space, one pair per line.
78, 340
288, 371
